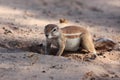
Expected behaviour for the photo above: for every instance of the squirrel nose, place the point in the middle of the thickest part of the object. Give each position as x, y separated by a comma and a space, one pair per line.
46, 35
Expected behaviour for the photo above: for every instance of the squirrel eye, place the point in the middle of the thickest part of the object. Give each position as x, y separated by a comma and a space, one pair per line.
54, 29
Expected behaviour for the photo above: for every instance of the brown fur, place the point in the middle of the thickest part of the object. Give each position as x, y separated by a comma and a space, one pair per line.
73, 29
71, 37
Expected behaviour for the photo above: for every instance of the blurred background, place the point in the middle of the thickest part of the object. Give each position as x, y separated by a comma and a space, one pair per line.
29, 12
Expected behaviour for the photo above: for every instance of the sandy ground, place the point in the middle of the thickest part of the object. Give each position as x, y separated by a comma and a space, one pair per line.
21, 26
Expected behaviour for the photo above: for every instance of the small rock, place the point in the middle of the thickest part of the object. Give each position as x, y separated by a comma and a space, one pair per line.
43, 71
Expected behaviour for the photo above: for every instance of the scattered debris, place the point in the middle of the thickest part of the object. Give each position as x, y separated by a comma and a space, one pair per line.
78, 57
89, 76
58, 66
7, 31
43, 71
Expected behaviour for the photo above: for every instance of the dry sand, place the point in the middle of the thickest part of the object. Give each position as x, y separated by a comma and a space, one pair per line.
21, 26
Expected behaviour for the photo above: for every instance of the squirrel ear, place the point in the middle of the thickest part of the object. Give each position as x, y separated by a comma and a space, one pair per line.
57, 27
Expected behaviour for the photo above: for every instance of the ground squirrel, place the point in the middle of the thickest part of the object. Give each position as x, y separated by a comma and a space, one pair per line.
69, 38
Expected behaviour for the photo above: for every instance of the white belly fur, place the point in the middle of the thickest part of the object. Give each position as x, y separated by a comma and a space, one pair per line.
72, 44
